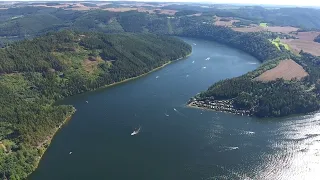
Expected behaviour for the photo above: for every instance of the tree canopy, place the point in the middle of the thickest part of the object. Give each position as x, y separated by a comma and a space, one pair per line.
35, 73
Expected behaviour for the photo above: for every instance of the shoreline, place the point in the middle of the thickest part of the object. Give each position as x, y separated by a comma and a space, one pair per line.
219, 107
153, 70
47, 142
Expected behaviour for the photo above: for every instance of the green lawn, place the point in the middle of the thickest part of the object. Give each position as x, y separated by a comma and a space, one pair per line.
277, 43
263, 24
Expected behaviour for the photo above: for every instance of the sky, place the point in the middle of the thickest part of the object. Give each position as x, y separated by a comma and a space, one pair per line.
267, 2
256, 2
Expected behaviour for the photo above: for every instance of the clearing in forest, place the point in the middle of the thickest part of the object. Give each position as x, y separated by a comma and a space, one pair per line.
286, 69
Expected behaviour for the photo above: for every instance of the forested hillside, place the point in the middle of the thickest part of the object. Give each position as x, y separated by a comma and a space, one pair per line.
35, 73
252, 43
272, 98
26, 22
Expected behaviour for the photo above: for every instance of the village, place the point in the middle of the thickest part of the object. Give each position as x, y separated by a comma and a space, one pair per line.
218, 105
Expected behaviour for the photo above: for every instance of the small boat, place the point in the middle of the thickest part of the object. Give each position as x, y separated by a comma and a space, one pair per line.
135, 132
204, 67
70, 152
166, 114
87, 101
157, 77
192, 61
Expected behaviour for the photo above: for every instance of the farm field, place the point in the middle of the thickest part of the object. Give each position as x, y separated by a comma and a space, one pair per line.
286, 69
296, 45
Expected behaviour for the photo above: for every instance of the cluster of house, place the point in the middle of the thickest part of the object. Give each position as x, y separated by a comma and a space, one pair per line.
219, 105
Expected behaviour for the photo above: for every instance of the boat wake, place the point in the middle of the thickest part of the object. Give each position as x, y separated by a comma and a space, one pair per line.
229, 148
248, 133
180, 113
135, 132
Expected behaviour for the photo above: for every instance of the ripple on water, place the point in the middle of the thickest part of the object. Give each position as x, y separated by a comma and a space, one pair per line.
295, 151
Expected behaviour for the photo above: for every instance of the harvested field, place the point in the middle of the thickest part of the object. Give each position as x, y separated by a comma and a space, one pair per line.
166, 11
296, 45
228, 23
307, 36
73, 6
123, 9
286, 29
286, 69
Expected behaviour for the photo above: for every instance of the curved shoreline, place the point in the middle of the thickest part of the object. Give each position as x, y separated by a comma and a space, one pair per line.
153, 70
47, 142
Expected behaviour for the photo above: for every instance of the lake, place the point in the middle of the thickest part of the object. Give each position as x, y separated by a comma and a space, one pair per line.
177, 142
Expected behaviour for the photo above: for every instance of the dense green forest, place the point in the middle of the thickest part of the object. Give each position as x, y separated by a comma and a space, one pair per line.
35, 73
252, 43
273, 98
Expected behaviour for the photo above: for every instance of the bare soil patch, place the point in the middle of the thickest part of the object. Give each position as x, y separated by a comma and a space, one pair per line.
307, 46
286, 69
91, 64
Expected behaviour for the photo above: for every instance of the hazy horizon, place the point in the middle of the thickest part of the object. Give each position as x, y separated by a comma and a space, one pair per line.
252, 2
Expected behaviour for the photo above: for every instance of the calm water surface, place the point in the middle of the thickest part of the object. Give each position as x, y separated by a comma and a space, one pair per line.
176, 142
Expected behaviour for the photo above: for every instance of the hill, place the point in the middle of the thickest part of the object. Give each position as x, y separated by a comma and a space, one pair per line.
278, 97
35, 73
